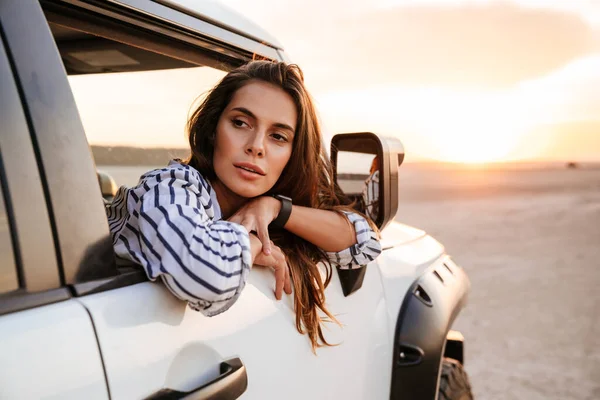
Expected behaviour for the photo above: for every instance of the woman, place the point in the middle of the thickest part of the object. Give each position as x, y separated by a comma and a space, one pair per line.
256, 190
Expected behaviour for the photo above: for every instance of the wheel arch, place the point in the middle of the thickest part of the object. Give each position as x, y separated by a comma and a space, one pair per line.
428, 310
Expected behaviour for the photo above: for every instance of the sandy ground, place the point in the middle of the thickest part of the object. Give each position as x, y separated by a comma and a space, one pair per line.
530, 242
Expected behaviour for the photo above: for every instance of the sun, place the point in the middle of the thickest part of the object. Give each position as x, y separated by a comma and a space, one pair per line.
474, 143
472, 126
472, 134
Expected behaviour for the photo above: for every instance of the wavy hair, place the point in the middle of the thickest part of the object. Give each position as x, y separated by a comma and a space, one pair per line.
307, 179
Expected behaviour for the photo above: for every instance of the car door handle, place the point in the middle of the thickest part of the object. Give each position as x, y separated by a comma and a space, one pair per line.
230, 384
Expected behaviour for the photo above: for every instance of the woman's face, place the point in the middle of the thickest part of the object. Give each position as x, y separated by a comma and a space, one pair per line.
254, 139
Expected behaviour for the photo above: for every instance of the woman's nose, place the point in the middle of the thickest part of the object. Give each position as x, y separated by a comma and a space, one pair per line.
255, 145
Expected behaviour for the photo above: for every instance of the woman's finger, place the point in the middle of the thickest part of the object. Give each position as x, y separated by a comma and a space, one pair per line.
263, 234
287, 286
282, 259
279, 279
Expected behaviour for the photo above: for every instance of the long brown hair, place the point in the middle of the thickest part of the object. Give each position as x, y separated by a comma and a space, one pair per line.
307, 179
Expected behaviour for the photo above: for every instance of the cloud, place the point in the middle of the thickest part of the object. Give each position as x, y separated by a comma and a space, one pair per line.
571, 93
487, 45
586, 9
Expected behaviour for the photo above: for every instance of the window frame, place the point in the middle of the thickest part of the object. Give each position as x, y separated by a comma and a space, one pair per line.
8, 264
156, 27
27, 213
75, 208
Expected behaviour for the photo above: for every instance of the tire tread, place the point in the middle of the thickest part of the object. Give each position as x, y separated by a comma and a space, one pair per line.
454, 382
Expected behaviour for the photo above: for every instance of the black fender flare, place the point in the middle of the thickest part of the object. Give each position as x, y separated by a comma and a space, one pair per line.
426, 315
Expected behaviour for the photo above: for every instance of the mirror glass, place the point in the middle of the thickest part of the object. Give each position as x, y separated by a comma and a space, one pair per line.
357, 174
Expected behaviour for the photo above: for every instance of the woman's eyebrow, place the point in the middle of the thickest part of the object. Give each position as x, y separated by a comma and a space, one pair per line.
285, 126
249, 113
244, 111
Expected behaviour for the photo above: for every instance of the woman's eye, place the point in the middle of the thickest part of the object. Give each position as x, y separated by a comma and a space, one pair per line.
279, 137
238, 122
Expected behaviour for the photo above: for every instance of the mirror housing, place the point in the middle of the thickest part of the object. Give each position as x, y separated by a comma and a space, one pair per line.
390, 152
108, 186
390, 155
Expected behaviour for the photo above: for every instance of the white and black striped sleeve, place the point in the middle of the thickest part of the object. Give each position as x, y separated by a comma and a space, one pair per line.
366, 249
173, 236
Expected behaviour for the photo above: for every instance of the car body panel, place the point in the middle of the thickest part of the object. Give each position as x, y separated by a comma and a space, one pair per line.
401, 265
150, 341
396, 234
50, 352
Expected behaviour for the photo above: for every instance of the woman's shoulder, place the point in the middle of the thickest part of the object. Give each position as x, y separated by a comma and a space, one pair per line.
176, 172
177, 183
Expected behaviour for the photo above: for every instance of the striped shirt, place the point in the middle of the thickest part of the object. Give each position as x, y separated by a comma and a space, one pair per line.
170, 224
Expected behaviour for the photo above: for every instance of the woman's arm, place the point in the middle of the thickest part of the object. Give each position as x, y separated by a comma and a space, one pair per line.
326, 229
366, 249
347, 239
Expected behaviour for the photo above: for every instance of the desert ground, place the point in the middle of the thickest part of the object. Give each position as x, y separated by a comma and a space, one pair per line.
529, 238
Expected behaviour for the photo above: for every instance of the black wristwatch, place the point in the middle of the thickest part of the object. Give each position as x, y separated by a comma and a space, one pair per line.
284, 212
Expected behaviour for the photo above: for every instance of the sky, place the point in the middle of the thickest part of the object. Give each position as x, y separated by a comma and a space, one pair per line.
454, 80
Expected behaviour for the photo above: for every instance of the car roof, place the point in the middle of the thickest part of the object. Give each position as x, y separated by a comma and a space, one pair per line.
218, 14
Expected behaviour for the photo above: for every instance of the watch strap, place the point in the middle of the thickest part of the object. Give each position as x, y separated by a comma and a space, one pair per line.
284, 212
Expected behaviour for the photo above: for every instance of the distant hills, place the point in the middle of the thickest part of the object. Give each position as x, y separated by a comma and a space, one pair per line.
126, 155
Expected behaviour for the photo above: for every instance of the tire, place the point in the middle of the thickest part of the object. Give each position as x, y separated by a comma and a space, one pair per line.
454, 382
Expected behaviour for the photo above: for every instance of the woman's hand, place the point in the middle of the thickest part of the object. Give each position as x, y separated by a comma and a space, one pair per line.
278, 262
256, 215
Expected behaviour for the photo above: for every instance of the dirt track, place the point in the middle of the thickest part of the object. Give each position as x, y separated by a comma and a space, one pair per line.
530, 242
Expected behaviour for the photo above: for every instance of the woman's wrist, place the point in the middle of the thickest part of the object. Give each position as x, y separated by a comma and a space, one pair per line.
255, 245
274, 204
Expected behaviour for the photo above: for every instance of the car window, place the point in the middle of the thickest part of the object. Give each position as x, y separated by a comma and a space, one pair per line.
8, 269
135, 121
133, 88
133, 103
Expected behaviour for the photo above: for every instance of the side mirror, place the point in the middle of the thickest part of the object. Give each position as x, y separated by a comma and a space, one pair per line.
365, 168
108, 187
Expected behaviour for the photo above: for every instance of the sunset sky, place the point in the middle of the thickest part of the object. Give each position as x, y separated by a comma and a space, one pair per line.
466, 81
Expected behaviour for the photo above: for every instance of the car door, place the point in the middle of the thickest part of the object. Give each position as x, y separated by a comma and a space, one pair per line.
47, 342
151, 342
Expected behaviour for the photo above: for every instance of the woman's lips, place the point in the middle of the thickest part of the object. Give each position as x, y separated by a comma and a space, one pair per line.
252, 168
248, 175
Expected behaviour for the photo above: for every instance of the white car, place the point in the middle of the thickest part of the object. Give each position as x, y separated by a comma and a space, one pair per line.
77, 324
